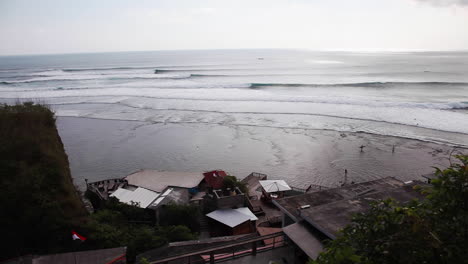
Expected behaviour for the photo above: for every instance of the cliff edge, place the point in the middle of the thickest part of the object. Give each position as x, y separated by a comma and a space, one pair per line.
38, 201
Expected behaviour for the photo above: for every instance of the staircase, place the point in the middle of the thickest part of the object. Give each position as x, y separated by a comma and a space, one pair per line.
204, 227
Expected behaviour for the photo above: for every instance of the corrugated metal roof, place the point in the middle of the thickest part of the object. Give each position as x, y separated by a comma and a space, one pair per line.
141, 196
158, 201
167, 191
232, 217
247, 212
275, 186
158, 181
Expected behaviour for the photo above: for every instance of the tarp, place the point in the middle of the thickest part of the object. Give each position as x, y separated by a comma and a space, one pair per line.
274, 186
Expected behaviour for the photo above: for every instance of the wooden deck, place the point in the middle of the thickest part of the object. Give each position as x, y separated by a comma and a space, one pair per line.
106, 187
267, 213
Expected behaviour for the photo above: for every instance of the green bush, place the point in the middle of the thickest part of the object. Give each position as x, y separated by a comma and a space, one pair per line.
232, 182
176, 233
434, 230
39, 203
176, 214
108, 228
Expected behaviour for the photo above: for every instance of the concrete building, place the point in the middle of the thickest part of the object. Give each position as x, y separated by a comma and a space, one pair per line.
311, 218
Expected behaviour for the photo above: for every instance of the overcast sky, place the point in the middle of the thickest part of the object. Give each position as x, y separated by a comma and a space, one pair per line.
61, 26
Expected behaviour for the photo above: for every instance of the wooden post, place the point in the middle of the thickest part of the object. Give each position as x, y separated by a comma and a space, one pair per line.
212, 260
157, 216
254, 248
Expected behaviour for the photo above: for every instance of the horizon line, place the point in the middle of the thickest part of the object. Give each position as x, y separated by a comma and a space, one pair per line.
232, 49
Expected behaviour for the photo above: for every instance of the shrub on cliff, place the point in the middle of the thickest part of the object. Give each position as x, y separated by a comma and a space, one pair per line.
39, 203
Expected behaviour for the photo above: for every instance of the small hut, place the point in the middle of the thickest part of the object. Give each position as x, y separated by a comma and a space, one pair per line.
232, 222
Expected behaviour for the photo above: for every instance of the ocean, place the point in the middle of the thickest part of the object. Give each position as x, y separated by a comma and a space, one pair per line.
285, 112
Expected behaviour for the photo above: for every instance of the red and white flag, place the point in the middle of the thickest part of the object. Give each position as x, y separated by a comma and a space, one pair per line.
76, 236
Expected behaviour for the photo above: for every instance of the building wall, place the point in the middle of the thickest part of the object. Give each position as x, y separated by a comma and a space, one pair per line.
286, 220
218, 229
244, 228
231, 201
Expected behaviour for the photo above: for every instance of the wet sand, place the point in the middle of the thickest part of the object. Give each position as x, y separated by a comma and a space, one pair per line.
101, 149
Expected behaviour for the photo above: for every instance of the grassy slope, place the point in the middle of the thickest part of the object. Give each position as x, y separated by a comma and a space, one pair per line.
38, 201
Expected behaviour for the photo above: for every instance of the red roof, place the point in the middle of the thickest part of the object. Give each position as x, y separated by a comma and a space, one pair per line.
215, 178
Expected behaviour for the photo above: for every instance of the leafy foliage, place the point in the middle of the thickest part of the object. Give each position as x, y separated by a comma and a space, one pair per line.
108, 228
174, 233
177, 214
117, 224
434, 230
132, 213
39, 203
232, 182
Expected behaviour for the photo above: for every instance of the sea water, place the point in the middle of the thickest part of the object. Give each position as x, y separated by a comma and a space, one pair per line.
414, 95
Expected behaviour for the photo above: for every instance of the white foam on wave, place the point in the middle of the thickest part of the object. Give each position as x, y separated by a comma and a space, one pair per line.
49, 72
260, 101
282, 121
324, 61
98, 77
228, 92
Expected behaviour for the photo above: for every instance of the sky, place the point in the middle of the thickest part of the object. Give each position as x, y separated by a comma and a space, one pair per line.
62, 26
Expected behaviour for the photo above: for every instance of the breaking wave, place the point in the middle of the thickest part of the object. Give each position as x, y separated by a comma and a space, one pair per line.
359, 84
93, 79
182, 74
106, 69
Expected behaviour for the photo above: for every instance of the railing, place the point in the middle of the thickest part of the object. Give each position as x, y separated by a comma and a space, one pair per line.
104, 185
296, 189
319, 187
96, 190
258, 175
310, 187
226, 252
254, 208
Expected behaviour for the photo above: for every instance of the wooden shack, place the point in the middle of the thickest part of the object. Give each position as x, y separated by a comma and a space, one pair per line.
228, 222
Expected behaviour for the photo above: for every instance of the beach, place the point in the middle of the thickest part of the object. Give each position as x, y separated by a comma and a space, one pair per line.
103, 149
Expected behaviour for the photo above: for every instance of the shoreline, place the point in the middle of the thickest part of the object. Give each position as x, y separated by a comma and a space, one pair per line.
101, 149
446, 144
